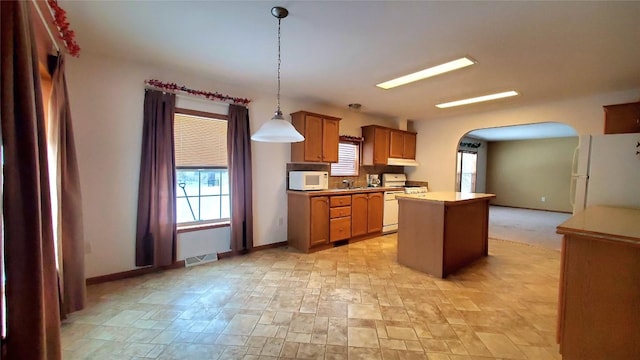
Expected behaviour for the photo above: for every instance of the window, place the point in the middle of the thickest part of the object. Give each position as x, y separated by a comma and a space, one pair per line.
202, 177
466, 171
348, 160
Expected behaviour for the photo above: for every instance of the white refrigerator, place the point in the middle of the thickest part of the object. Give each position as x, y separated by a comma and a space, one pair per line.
606, 171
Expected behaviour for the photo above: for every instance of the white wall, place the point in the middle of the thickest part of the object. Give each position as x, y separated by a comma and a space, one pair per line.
438, 138
106, 96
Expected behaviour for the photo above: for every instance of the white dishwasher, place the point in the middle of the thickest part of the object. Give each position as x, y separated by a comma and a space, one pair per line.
390, 210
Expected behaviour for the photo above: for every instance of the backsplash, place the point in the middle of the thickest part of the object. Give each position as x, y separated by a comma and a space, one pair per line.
335, 182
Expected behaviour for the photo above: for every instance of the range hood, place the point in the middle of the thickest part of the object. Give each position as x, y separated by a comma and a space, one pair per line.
402, 162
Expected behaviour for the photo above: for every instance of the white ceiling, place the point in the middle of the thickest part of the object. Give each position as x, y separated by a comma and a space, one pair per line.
524, 132
334, 52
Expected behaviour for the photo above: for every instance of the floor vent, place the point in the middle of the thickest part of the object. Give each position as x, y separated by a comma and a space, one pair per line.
201, 259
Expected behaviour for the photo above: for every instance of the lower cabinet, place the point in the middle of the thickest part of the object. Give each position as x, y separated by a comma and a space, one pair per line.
366, 213
319, 220
375, 210
316, 221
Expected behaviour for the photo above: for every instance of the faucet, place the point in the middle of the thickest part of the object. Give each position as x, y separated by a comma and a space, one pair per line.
348, 183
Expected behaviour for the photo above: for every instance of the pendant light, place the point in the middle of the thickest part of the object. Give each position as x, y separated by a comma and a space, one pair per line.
278, 129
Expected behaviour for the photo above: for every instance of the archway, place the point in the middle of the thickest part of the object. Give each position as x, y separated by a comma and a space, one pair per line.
529, 168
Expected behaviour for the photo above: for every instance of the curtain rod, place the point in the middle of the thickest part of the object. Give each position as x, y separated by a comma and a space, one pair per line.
46, 25
213, 96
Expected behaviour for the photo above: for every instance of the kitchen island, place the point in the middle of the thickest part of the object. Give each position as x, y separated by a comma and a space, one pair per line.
599, 298
441, 232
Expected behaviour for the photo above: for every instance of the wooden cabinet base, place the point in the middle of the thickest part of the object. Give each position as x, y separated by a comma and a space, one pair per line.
440, 237
310, 250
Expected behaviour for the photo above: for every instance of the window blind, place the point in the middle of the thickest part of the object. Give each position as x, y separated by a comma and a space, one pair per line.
348, 160
200, 141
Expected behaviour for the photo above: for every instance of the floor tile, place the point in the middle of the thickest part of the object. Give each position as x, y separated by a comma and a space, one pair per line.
349, 302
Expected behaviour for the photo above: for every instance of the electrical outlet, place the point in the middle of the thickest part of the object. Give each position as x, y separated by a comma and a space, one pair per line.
543, 199
280, 221
87, 247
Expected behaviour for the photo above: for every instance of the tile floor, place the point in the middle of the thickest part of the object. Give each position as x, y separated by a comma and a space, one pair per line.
350, 302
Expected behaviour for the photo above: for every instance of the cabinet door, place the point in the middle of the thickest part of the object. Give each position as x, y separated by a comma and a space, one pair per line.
319, 221
359, 206
313, 138
380, 146
396, 144
330, 139
409, 148
623, 118
375, 212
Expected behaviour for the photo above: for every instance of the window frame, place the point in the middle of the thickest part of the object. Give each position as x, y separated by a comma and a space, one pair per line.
210, 222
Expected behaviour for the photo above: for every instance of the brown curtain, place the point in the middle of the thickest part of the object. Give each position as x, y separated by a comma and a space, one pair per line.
239, 152
70, 231
33, 315
156, 228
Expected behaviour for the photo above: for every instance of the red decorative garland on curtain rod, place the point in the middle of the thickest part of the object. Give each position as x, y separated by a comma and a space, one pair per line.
64, 31
207, 94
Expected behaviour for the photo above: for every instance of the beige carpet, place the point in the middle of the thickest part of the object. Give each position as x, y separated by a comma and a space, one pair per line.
533, 227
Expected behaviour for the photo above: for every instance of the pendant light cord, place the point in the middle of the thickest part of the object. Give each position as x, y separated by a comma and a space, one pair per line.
279, 62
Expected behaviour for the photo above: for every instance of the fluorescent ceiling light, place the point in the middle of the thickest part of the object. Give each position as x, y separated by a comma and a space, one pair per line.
478, 99
426, 73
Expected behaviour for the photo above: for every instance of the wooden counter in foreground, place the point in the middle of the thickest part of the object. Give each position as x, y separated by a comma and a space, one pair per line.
599, 298
441, 232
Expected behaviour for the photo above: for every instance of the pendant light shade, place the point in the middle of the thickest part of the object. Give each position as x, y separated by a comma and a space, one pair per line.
277, 129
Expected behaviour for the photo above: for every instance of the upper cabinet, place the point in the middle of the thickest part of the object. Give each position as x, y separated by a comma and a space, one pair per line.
321, 136
622, 118
402, 144
381, 143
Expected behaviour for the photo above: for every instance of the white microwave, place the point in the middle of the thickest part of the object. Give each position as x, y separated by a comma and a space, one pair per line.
308, 180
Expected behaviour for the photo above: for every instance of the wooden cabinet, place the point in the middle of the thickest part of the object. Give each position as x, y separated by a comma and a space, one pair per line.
316, 220
340, 222
598, 304
622, 118
319, 233
359, 211
374, 212
381, 143
402, 144
321, 133
396, 144
409, 149
375, 149
366, 213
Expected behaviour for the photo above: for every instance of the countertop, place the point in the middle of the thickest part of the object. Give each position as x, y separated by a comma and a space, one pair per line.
447, 197
605, 222
330, 192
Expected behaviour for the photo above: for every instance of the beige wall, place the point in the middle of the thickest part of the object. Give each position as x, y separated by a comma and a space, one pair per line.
106, 96
438, 138
522, 173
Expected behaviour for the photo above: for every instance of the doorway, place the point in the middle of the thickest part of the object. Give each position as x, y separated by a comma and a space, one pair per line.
466, 173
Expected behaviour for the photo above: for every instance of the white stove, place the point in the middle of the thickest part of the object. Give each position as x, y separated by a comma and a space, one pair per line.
390, 211
415, 189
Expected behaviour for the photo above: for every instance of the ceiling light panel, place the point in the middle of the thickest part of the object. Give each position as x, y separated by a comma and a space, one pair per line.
478, 99
427, 73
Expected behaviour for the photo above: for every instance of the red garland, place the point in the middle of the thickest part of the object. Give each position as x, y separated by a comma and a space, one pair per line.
65, 33
209, 95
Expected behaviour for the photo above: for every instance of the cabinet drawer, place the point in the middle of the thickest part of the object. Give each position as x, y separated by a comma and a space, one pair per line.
340, 228
337, 212
343, 200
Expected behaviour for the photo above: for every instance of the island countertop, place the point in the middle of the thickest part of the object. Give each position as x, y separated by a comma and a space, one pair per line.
605, 222
446, 197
